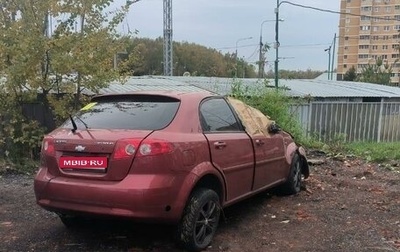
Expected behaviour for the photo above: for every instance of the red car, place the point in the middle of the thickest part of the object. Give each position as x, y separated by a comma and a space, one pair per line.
173, 157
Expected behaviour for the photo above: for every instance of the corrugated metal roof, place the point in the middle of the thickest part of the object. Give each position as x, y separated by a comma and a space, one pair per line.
329, 88
223, 86
133, 84
313, 88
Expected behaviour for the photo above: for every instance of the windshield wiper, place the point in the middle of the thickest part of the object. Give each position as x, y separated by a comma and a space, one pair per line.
86, 126
74, 127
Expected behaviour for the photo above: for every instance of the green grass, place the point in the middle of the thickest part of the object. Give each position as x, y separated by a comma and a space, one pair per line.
375, 152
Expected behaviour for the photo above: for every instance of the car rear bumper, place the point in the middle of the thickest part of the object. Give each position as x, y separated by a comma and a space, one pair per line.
141, 197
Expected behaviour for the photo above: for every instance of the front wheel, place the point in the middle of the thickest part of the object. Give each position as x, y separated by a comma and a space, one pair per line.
293, 183
200, 220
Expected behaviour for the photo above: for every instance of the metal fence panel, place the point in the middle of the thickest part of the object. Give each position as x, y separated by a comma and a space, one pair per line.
352, 121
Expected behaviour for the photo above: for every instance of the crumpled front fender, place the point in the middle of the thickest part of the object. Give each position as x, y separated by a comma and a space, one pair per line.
291, 149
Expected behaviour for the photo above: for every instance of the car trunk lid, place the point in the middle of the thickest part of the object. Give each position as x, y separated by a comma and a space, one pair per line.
91, 154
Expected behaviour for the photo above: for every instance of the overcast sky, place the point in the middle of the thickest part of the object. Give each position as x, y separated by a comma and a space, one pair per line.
219, 24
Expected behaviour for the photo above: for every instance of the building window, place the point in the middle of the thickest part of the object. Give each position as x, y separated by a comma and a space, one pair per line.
344, 65
396, 27
346, 48
375, 28
365, 28
374, 47
347, 20
385, 47
388, 9
386, 28
344, 56
376, 9
364, 37
366, 8
397, 7
346, 38
363, 56
365, 18
363, 47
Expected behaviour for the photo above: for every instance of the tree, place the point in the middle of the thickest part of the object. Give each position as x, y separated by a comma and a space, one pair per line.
77, 55
351, 74
50, 46
146, 56
378, 73
293, 74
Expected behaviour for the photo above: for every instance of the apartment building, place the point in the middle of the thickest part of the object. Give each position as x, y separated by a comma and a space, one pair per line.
368, 30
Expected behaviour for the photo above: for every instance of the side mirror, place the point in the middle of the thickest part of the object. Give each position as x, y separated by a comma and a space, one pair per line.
273, 128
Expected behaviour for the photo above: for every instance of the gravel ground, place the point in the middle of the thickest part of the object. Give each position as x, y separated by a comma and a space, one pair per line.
346, 206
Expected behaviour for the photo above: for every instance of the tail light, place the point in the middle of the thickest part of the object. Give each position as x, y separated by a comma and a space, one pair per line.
48, 146
126, 148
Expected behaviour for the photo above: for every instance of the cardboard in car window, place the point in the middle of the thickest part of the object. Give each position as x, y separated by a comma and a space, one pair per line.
254, 120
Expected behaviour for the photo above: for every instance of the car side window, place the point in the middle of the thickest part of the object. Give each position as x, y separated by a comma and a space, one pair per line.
217, 116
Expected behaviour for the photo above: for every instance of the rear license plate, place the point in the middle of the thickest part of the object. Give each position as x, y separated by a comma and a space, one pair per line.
83, 162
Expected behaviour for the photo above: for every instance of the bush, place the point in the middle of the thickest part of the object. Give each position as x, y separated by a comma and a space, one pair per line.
20, 137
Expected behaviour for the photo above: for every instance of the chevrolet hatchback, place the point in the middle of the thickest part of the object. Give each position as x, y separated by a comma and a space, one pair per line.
169, 157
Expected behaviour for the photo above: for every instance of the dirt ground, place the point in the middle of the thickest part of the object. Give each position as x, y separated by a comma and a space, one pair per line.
346, 206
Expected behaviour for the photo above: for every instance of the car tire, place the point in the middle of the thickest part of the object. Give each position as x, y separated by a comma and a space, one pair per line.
294, 180
200, 220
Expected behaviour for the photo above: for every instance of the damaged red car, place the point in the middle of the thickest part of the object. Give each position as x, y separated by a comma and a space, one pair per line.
172, 157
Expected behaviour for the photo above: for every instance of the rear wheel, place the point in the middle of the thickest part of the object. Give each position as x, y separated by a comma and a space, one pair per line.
293, 183
200, 220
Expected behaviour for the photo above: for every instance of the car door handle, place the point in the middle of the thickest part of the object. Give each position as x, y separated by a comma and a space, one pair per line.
219, 145
259, 142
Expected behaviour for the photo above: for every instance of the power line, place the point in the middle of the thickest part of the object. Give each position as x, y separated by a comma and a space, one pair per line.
337, 12
305, 45
233, 47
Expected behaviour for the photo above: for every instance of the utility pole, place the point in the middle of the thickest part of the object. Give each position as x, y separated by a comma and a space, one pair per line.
168, 61
261, 58
277, 43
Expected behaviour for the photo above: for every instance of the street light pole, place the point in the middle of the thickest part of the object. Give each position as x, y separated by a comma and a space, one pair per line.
261, 58
236, 52
329, 61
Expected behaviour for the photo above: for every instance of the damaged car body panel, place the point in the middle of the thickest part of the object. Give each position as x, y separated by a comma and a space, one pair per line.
165, 156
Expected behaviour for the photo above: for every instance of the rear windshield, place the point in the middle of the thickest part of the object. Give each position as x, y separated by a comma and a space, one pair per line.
126, 112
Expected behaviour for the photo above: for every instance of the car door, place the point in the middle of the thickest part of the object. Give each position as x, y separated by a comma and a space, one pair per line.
271, 166
230, 147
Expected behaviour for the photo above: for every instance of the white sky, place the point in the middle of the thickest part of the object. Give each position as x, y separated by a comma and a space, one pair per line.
303, 35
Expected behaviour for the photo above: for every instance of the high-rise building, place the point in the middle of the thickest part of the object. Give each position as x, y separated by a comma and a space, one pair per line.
369, 30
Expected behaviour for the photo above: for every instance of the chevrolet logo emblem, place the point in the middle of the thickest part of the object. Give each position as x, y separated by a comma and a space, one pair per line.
80, 148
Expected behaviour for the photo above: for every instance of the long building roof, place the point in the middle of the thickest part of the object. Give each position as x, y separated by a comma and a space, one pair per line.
223, 86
